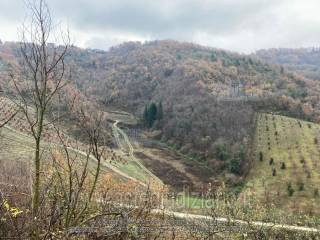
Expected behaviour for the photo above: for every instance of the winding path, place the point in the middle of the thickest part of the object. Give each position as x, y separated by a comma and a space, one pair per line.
117, 132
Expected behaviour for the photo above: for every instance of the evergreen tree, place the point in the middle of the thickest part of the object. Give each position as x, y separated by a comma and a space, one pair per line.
159, 111
152, 114
222, 152
271, 161
235, 165
290, 189
145, 115
261, 156
213, 57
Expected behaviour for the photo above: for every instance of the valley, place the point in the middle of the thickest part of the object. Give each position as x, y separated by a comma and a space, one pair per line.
159, 120
253, 146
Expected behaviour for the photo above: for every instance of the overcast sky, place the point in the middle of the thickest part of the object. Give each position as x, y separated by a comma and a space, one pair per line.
239, 25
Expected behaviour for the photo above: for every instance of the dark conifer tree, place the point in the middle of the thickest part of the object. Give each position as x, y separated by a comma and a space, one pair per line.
145, 115
152, 114
159, 111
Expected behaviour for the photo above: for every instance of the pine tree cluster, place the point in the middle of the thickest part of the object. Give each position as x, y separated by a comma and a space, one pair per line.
152, 112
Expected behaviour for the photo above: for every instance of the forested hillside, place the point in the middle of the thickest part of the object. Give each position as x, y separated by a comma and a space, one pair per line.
193, 85
305, 61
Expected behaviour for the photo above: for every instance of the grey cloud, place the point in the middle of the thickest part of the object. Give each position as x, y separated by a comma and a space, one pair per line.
11, 10
166, 16
242, 25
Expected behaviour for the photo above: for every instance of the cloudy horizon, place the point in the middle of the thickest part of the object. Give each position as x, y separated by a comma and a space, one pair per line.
242, 26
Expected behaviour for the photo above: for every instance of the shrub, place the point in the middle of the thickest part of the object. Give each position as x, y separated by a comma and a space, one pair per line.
271, 161
290, 189
235, 163
301, 186
315, 140
316, 192
261, 156
235, 166
274, 172
222, 152
283, 165
168, 72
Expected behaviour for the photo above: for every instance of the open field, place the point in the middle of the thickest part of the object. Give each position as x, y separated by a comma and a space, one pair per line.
286, 167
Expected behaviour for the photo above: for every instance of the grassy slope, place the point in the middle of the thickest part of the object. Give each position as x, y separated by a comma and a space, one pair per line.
18, 147
15, 144
132, 166
295, 144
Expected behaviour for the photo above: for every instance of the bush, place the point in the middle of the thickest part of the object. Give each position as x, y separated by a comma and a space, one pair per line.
235, 163
290, 190
271, 161
235, 166
301, 186
283, 165
222, 152
274, 172
261, 156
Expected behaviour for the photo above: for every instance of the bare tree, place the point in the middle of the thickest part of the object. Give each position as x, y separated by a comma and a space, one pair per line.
40, 79
92, 127
6, 121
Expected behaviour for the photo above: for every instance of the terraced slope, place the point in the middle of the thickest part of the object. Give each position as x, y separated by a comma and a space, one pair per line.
16, 144
286, 168
17, 149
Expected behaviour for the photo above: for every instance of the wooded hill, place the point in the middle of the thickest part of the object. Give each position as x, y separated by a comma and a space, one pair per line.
193, 84
305, 61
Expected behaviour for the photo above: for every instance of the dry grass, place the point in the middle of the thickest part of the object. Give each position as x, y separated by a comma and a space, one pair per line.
292, 143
